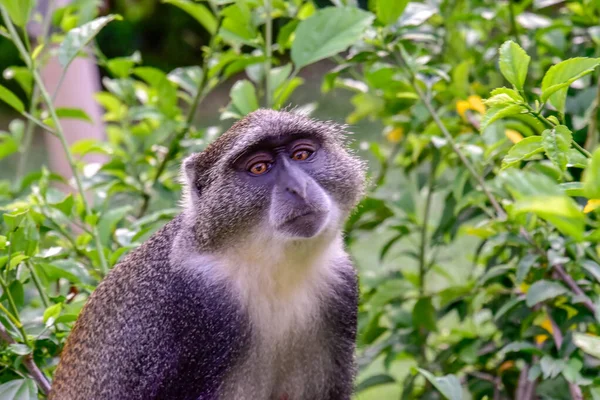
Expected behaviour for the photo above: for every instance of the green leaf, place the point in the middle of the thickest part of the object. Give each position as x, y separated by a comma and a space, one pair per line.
108, 222
19, 389
524, 266
448, 386
200, 13
560, 76
166, 92
76, 39
496, 113
573, 189
388, 11
328, 32
560, 211
51, 313
523, 150
543, 290
19, 349
18, 10
500, 100
518, 347
576, 159
587, 343
187, 78
424, 314
513, 94
13, 220
243, 97
591, 177
551, 367
237, 27
592, 269
374, 380
9, 98
514, 63
65, 206
557, 142
73, 113
8, 145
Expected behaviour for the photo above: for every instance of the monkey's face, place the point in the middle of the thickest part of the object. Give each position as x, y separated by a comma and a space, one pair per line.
274, 171
296, 205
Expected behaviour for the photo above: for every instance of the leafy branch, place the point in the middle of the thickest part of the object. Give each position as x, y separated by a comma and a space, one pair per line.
59, 131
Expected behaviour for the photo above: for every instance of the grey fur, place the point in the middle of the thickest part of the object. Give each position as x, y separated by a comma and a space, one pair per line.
169, 323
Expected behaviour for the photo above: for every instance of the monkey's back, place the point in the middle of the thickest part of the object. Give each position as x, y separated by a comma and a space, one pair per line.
151, 333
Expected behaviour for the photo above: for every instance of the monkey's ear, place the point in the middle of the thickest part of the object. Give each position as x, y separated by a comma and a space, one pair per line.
189, 172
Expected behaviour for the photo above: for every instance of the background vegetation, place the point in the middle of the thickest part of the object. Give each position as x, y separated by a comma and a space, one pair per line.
477, 244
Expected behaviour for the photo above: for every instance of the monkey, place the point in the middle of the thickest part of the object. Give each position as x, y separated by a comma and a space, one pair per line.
248, 293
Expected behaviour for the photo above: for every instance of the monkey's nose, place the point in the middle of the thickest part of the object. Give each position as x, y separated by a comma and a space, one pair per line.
297, 190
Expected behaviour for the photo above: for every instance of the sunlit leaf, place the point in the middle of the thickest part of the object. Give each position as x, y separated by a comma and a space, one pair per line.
328, 32
388, 11
77, 38
588, 343
523, 150
514, 63
561, 211
557, 142
9, 98
544, 290
199, 12
560, 76
18, 10
499, 112
591, 177
448, 386
19, 389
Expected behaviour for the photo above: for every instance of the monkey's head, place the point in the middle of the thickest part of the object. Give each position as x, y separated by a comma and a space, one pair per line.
275, 172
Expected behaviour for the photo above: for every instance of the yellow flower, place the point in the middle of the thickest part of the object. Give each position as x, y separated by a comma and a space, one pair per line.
461, 108
523, 287
472, 103
591, 205
476, 104
513, 136
395, 135
547, 325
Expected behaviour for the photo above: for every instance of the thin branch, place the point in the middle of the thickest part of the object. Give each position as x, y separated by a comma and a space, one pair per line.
40, 123
60, 133
587, 302
560, 270
424, 236
558, 341
35, 372
34, 100
498, 209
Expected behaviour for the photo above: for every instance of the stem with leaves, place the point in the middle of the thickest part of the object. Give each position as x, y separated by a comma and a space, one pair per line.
564, 276
498, 209
34, 100
37, 374
59, 131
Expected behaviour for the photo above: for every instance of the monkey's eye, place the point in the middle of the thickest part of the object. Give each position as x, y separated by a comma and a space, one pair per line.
259, 168
301, 155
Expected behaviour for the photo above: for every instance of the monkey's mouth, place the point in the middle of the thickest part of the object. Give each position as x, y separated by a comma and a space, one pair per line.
304, 224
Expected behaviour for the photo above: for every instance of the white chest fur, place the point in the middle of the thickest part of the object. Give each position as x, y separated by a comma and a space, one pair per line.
283, 289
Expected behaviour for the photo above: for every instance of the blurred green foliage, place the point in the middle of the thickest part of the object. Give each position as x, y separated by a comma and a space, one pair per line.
477, 243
